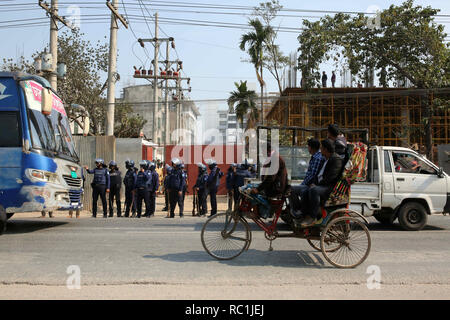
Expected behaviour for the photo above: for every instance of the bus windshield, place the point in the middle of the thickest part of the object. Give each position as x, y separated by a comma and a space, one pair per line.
52, 132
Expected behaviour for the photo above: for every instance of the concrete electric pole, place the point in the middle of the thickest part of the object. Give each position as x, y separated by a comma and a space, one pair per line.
112, 67
54, 18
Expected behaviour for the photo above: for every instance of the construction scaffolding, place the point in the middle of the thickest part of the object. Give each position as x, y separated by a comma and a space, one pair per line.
394, 116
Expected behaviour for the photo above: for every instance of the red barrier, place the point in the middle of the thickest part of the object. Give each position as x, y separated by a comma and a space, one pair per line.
224, 155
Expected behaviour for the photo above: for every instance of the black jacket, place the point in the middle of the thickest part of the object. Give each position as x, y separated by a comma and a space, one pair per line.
332, 172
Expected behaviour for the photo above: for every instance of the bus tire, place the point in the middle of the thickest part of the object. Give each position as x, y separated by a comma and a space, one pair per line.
412, 216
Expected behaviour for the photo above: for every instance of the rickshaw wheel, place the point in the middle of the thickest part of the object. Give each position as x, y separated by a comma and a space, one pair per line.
352, 239
225, 236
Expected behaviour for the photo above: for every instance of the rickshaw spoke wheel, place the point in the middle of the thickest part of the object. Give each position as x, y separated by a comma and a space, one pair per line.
225, 236
345, 242
332, 246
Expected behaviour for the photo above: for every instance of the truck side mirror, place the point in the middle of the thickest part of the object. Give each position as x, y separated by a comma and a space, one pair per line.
46, 101
87, 124
440, 172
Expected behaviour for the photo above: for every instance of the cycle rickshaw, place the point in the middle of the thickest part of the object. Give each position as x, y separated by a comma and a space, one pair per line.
341, 234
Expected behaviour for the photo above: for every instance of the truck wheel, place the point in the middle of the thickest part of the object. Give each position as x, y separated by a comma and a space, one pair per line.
412, 216
3, 219
385, 219
9, 215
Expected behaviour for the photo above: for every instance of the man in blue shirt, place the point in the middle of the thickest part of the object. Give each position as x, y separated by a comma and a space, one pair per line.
315, 163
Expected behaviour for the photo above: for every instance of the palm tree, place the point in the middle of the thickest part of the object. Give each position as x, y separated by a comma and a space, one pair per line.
255, 41
242, 103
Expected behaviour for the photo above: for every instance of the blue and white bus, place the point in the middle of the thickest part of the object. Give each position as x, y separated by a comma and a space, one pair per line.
39, 168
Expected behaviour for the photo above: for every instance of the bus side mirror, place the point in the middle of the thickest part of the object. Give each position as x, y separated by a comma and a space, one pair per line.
86, 126
46, 101
440, 172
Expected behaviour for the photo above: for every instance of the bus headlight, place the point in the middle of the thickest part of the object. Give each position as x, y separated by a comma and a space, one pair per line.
41, 175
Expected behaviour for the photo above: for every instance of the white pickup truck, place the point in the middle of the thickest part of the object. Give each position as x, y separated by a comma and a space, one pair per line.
403, 185
400, 184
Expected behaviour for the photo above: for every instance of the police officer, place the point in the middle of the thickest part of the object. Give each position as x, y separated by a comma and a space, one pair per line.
169, 170
116, 184
231, 172
184, 176
175, 186
130, 188
212, 184
100, 185
142, 182
153, 186
200, 186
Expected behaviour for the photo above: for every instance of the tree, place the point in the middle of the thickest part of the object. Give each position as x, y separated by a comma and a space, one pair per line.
407, 43
127, 125
273, 59
242, 103
86, 64
254, 41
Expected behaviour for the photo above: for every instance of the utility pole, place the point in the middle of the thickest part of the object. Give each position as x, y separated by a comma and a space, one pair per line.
155, 81
54, 18
166, 123
112, 67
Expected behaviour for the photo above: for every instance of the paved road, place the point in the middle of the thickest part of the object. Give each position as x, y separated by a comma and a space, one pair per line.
163, 258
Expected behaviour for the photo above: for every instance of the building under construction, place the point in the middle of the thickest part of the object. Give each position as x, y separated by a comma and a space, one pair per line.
393, 116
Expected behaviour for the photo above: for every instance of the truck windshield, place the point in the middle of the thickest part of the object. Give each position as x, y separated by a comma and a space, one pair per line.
52, 132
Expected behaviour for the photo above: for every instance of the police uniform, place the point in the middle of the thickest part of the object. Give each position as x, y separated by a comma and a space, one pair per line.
100, 184
212, 186
114, 193
202, 192
175, 185
229, 183
184, 176
130, 186
169, 170
142, 192
153, 188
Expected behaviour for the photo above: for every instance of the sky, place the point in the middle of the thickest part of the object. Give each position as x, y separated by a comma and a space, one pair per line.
211, 55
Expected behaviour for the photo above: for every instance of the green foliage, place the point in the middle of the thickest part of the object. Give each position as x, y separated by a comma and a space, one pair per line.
407, 43
86, 64
254, 42
126, 124
272, 58
242, 103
